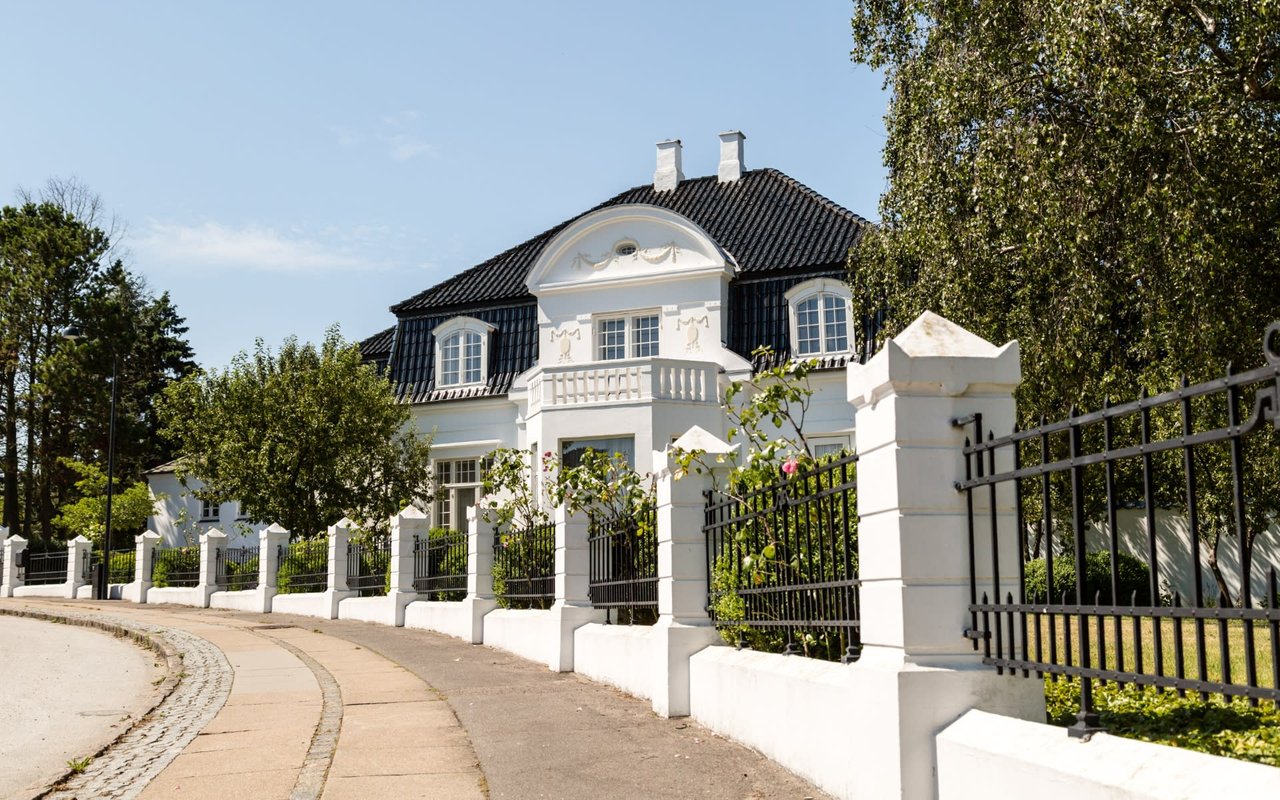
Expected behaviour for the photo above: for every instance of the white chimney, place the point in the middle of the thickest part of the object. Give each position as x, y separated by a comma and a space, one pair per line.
731, 156
668, 175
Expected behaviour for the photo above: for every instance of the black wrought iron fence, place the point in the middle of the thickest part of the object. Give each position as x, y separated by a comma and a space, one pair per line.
86, 566
120, 565
369, 564
782, 562
623, 572
524, 566
440, 564
176, 566
303, 566
237, 568
1136, 528
46, 568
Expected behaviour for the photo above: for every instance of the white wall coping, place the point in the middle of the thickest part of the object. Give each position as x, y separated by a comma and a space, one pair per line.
980, 751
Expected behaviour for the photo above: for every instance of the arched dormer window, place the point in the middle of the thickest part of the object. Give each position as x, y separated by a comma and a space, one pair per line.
819, 312
462, 351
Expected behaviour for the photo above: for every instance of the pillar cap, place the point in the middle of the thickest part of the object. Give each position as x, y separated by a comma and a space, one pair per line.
212, 533
935, 357
411, 512
276, 527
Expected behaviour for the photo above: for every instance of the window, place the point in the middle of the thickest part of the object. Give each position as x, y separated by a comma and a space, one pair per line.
461, 351
819, 318
624, 248
623, 337
459, 482
823, 448
208, 511
571, 450
240, 512
460, 356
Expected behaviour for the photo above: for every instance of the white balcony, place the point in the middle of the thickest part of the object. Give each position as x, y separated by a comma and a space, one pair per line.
629, 380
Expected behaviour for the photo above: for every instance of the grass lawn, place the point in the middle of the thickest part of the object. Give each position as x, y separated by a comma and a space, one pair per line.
1220, 726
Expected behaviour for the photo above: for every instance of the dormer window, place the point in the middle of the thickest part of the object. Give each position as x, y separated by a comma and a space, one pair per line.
462, 349
819, 318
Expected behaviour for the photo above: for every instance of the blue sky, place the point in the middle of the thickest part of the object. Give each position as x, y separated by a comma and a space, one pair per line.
284, 166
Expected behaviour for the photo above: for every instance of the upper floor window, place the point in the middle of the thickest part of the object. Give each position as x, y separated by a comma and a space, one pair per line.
627, 337
819, 317
462, 349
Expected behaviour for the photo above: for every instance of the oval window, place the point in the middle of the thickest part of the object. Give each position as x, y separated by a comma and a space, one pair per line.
625, 249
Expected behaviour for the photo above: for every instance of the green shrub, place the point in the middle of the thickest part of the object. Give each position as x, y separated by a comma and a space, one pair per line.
120, 568
238, 574
523, 551
1132, 576
1216, 726
453, 562
174, 566
296, 569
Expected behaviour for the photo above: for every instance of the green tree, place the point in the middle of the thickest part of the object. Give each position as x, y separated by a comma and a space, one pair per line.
130, 507
302, 437
1098, 180
54, 395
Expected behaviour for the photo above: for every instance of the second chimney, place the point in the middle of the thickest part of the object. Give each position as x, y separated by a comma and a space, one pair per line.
668, 175
730, 156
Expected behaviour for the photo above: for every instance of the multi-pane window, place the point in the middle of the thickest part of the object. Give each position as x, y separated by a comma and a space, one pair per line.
622, 337
460, 355
830, 447
459, 482
822, 325
208, 510
572, 450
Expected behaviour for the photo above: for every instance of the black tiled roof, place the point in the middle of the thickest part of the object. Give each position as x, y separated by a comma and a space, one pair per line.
768, 221
513, 348
377, 348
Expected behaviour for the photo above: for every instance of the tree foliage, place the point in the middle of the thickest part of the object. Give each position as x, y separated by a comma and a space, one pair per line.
1098, 180
130, 506
302, 437
1101, 182
56, 269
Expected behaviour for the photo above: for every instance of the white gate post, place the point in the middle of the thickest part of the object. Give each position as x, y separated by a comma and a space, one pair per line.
918, 673
339, 536
145, 544
572, 607
683, 627
79, 556
212, 544
479, 600
406, 527
13, 549
270, 540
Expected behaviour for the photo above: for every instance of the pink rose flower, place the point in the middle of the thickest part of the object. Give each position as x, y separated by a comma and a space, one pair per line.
790, 466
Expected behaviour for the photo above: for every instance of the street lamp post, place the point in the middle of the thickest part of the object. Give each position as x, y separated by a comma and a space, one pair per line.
72, 333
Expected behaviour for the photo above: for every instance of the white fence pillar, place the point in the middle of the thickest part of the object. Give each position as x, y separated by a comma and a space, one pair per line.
144, 556
213, 544
913, 554
339, 537
79, 558
479, 600
683, 627
406, 528
572, 607
270, 541
14, 547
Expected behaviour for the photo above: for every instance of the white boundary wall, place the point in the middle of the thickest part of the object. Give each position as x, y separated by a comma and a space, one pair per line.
985, 755
619, 655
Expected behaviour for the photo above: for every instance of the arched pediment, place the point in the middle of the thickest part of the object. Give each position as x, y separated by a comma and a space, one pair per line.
626, 244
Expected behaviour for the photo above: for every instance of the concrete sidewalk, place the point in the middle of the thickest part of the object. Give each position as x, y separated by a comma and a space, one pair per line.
394, 712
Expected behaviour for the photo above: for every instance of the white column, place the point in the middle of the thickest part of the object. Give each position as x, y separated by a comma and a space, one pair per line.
572, 607
913, 555
406, 528
683, 627
14, 546
145, 544
212, 543
79, 556
479, 600
270, 540
339, 536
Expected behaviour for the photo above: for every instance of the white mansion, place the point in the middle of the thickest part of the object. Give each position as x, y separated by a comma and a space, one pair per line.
620, 328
